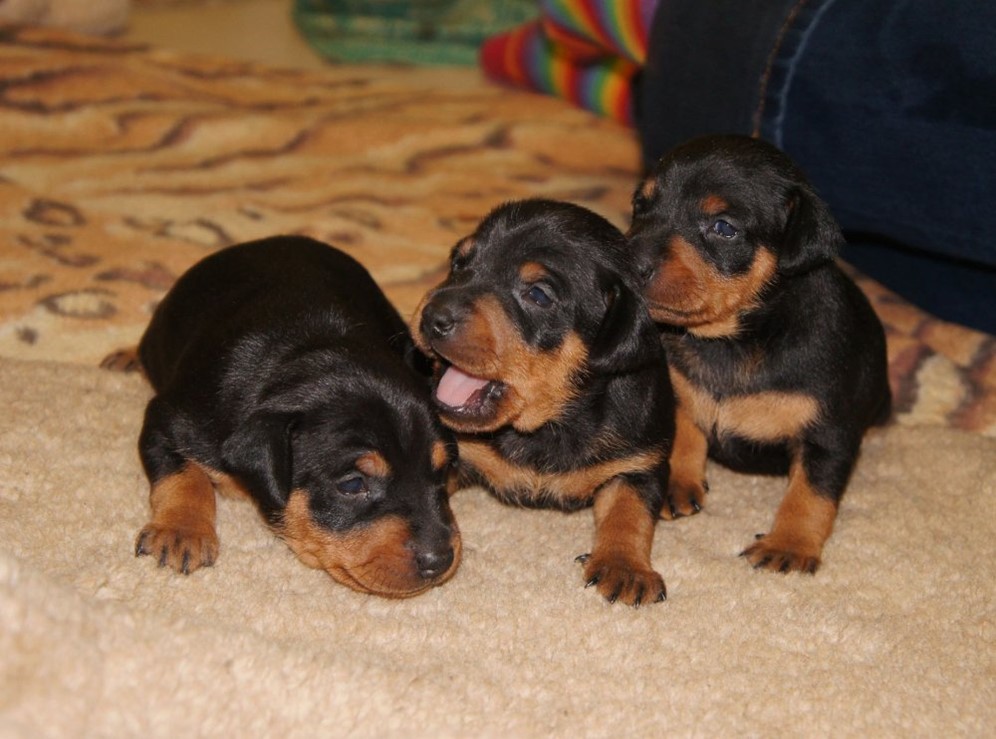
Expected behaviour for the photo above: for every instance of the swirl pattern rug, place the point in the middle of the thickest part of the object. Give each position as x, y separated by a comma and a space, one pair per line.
120, 166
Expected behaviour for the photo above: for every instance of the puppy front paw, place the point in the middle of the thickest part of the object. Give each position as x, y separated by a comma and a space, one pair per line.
684, 498
781, 555
619, 579
185, 549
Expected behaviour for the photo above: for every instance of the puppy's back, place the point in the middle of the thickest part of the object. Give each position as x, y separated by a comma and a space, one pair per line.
282, 288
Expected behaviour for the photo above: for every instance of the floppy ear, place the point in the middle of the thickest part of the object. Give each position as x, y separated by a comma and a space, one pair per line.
626, 338
812, 236
258, 453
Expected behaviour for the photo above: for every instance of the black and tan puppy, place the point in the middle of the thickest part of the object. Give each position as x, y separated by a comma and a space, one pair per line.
278, 374
776, 356
552, 374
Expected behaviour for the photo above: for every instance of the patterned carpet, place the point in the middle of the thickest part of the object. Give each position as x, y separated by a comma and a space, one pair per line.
120, 166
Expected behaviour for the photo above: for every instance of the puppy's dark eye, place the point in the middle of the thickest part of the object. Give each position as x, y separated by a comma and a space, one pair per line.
724, 229
641, 204
540, 296
352, 485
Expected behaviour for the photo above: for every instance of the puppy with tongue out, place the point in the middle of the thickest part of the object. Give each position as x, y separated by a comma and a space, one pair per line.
550, 370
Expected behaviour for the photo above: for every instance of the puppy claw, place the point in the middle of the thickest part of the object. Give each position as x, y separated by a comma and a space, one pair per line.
617, 592
582, 558
185, 563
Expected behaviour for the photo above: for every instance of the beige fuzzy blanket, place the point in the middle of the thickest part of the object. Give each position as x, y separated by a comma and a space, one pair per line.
120, 166
895, 635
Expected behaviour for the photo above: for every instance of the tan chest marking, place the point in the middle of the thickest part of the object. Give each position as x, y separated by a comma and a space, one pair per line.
765, 416
578, 485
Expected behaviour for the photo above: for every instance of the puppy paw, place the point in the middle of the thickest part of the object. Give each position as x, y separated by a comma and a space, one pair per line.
618, 579
771, 553
684, 499
123, 360
183, 549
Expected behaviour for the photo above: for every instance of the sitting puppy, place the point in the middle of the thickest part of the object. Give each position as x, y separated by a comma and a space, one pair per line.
278, 371
776, 357
550, 369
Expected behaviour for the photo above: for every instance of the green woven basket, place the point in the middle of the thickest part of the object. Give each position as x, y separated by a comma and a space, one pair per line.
417, 31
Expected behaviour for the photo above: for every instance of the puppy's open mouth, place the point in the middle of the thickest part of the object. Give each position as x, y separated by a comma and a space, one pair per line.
465, 396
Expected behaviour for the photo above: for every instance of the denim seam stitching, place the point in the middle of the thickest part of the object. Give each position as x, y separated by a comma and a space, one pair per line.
791, 65
769, 65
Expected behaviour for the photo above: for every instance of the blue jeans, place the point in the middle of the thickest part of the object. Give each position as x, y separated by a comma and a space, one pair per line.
889, 106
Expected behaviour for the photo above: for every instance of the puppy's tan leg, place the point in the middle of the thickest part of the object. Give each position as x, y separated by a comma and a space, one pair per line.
687, 487
181, 533
619, 564
802, 525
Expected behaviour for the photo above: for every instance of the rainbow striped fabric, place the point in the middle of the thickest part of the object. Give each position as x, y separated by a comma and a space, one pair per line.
585, 51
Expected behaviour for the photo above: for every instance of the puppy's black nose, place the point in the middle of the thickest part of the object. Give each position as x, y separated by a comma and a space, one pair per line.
438, 320
434, 562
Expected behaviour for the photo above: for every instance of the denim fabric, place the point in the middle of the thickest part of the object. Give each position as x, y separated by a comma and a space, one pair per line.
889, 106
705, 63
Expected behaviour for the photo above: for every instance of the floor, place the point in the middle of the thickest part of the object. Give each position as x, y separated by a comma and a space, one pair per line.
257, 30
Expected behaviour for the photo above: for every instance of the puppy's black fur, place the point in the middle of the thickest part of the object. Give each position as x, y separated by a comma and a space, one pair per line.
551, 371
776, 356
278, 373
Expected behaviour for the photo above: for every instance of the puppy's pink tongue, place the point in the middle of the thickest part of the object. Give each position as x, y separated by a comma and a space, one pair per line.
456, 388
